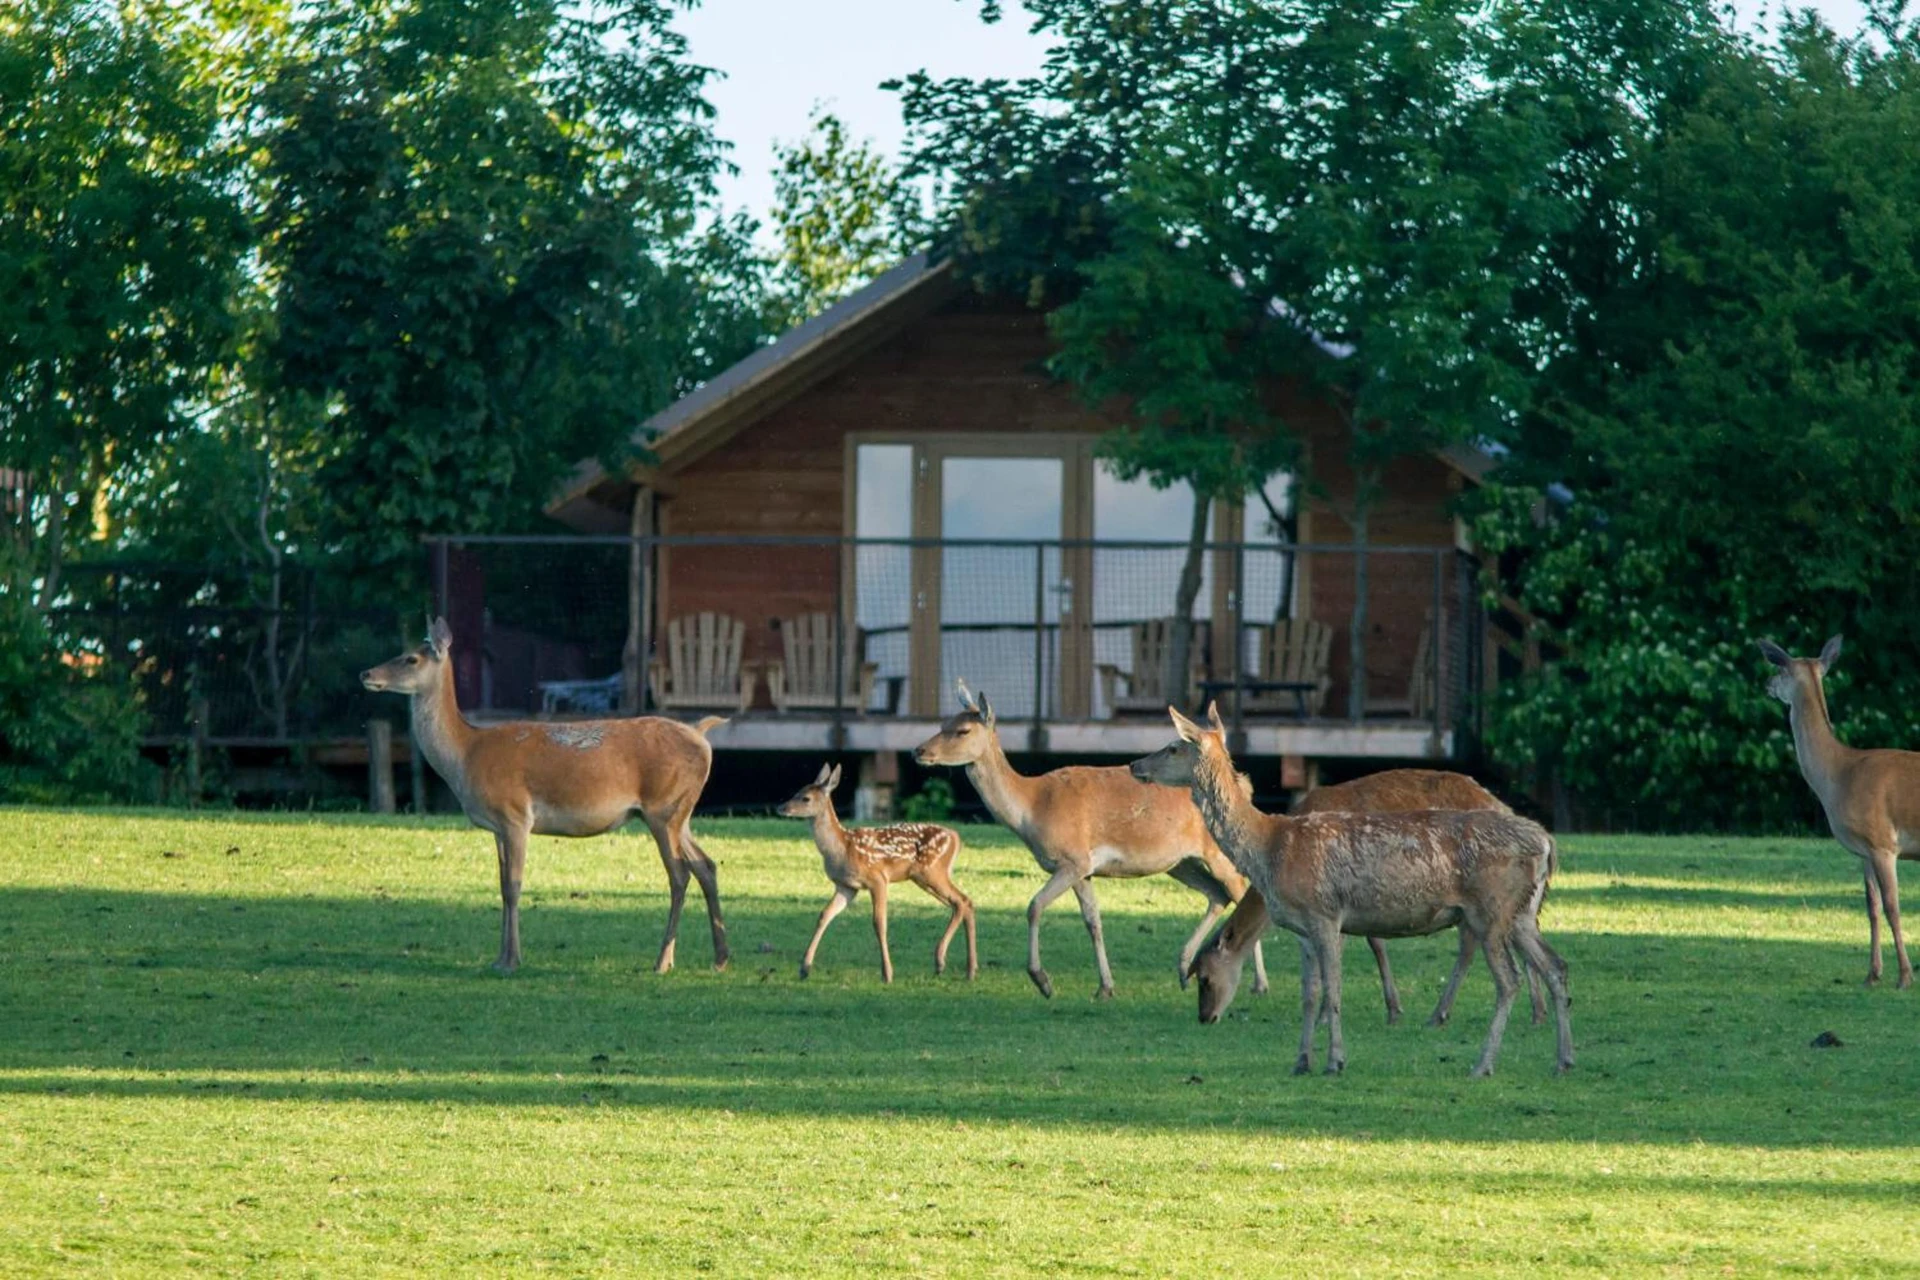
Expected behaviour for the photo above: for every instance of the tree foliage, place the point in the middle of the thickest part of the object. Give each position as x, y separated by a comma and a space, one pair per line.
843, 214
491, 231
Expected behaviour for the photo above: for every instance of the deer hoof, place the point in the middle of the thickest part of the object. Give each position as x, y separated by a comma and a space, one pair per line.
805, 971
1103, 993
1335, 1068
1873, 980
1042, 981
1906, 980
506, 964
1393, 1017
1561, 1068
1302, 1067
1480, 1072
1437, 1020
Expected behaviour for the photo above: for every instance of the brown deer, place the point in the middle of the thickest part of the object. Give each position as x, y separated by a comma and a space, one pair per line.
1390, 791
1081, 822
872, 858
1391, 875
1871, 798
581, 778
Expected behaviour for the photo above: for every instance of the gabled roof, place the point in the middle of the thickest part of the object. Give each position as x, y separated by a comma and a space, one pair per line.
592, 500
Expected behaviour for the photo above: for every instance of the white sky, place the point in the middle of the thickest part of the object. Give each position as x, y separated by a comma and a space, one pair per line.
782, 56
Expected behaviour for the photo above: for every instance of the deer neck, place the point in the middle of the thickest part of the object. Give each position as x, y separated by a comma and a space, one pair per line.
1008, 794
442, 733
830, 837
1235, 825
1820, 753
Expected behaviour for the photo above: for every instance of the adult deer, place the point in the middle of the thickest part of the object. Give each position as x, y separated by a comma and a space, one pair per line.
1390, 791
872, 858
1081, 822
581, 778
1871, 798
1378, 875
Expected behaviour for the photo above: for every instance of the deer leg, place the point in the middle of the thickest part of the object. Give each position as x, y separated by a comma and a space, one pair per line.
1506, 984
1329, 946
1056, 885
878, 892
1387, 988
1196, 875
1887, 870
842, 899
1542, 960
704, 872
1090, 913
1873, 922
511, 846
1444, 1010
938, 882
1309, 1005
1259, 970
1533, 993
677, 876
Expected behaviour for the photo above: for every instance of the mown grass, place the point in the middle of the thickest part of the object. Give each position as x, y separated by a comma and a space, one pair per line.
271, 1045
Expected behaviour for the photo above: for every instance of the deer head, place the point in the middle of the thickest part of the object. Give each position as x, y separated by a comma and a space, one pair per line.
1217, 968
965, 736
1175, 764
1794, 677
417, 670
816, 798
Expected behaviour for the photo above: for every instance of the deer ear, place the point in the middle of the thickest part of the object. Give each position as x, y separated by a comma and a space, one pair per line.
965, 695
1187, 729
986, 709
1213, 719
833, 779
1829, 655
820, 778
441, 635
1773, 653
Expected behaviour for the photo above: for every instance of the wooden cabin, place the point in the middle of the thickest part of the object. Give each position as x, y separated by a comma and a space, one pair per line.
903, 462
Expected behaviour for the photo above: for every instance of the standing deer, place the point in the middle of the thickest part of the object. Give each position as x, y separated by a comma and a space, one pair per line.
1392, 875
1871, 798
1390, 791
1081, 822
582, 778
872, 858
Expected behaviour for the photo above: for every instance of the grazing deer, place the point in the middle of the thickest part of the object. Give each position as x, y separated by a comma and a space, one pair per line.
1391, 875
1081, 822
582, 778
1872, 798
872, 858
1390, 791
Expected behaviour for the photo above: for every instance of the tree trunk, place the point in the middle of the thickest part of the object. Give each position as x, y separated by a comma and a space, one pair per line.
1179, 653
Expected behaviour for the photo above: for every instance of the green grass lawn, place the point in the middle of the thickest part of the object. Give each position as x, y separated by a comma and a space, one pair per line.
271, 1045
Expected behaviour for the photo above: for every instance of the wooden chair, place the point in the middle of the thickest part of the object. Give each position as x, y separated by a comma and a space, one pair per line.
702, 667
1293, 649
1142, 689
804, 678
1419, 701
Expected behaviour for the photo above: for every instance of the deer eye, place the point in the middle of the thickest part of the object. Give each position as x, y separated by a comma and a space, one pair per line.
413, 659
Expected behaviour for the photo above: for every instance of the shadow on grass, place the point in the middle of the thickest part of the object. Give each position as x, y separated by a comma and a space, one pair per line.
1682, 1039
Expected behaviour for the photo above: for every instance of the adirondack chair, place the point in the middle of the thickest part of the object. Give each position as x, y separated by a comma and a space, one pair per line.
1419, 700
702, 667
1142, 688
1293, 649
804, 678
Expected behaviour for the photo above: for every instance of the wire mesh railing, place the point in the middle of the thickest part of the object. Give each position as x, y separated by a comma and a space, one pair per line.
1059, 630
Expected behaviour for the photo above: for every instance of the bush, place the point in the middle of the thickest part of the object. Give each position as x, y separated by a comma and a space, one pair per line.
70, 723
933, 802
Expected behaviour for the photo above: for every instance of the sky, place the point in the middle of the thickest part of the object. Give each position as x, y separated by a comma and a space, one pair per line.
780, 57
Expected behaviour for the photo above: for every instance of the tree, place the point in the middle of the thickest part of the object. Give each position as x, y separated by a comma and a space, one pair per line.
1735, 441
843, 215
492, 232
121, 238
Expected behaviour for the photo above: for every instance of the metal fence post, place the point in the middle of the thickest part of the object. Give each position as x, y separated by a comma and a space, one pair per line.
1437, 636
840, 645
1037, 736
1239, 612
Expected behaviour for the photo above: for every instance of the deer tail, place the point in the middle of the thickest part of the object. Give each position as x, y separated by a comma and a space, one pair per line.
705, 725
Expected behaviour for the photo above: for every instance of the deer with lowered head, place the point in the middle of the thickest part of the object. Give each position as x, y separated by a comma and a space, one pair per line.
1390, 791
1080, 822
1871, 798
872, 858
581, 778
1391, 875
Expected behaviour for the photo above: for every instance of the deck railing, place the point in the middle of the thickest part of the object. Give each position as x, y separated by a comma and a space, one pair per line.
580, 623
